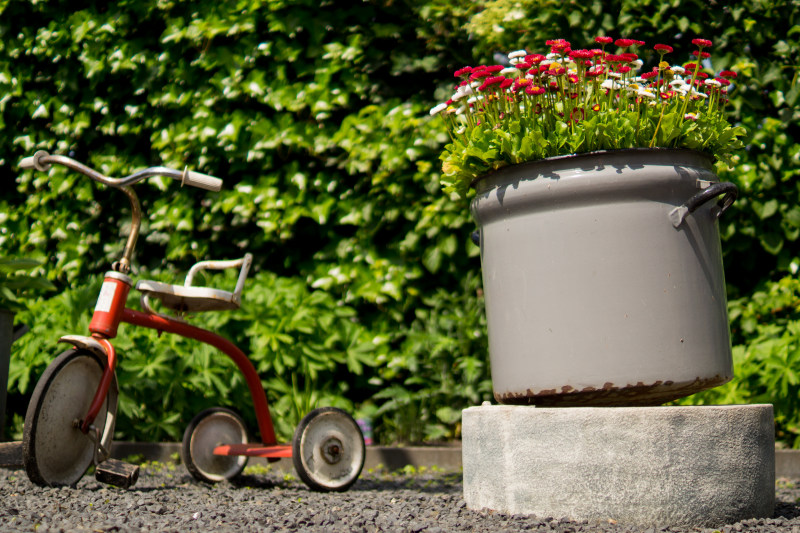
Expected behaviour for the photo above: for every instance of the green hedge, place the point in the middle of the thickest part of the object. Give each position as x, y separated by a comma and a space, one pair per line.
366, 289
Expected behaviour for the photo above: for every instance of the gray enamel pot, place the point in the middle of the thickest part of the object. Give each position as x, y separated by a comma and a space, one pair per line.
603, 278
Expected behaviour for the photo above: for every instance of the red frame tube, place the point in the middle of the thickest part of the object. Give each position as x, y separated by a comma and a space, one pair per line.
159, 323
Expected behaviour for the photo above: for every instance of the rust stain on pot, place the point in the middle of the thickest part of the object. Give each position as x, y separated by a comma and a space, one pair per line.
639, 394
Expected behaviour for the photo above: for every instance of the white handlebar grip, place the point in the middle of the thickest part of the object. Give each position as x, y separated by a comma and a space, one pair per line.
27, 163
202, 181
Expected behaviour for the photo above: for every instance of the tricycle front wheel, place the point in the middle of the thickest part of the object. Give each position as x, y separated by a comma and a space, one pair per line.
54, 450
211, 428
328, 450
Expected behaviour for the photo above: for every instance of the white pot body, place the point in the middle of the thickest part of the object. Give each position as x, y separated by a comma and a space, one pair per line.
593, 297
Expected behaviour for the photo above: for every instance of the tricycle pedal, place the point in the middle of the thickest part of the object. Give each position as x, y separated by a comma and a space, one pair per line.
118, 473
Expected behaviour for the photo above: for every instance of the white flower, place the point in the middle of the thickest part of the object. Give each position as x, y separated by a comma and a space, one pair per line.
636, 65
461, 110
645, 93
677, 70
461, 130
713, 83
515, 61
506, 71
614, 75
552, 55
517, 54
610, 84
438, 109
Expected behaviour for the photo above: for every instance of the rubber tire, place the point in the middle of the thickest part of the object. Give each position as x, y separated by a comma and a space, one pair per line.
328, 425
211, 428
54, 452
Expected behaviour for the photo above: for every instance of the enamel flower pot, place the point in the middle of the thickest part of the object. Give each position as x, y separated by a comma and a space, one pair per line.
603, 278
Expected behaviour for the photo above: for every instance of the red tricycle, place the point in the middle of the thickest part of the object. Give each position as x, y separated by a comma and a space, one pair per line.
70, 420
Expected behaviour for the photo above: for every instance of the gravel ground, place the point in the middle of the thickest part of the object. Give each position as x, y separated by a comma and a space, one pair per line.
166, 498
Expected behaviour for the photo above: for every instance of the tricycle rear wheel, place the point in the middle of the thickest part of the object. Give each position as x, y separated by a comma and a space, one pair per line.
211, 428
328, 450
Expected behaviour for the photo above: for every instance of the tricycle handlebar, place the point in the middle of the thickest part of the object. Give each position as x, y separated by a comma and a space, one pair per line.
42, 161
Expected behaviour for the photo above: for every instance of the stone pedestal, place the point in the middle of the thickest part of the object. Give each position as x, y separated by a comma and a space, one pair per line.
678, 466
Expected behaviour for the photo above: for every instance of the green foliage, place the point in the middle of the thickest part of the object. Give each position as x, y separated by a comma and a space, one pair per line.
16, 279
315, 115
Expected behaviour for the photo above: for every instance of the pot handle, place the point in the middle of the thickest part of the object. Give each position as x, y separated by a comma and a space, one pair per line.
677, 215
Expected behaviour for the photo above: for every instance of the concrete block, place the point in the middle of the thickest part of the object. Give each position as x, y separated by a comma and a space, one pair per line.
648, 466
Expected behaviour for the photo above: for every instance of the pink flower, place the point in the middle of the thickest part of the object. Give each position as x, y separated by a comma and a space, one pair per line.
463, 72
702, 43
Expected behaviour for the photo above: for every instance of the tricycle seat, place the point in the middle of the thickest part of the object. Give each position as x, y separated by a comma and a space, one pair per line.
188, 299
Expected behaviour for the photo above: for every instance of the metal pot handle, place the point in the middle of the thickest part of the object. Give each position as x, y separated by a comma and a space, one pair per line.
677, 215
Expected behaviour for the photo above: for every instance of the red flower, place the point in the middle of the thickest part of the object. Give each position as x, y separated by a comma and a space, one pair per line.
702, 43
596, 107
624, 43
521, 82
723, 81
623, 69
534, 90
612, 58
666, 95
558, 46
494, 68
581, 54
463, 72
573, 78
603, 40
534, 58
629, 57
651, 74
556, 70
701, 55
479, 72
638, 43
524, 65
690, 66
596, 71
596, 52
728, 74
702, 75
506, 83
663, 48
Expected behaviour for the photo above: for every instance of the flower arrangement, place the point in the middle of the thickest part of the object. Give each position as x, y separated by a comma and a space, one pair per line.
573, 101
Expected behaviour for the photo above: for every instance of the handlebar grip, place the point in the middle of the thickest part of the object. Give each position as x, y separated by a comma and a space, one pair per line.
202, 181
27, 163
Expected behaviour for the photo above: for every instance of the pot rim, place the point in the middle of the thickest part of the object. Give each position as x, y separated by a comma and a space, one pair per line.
595, 153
